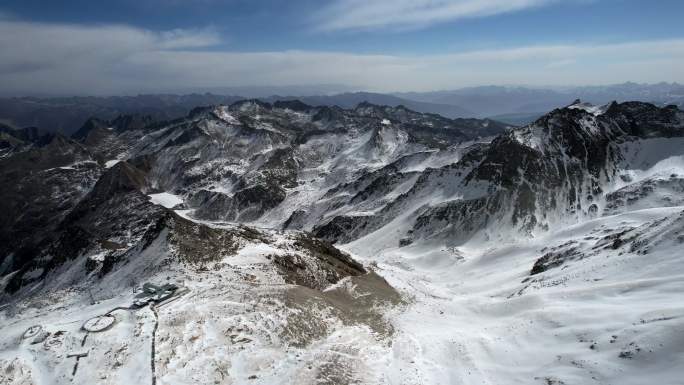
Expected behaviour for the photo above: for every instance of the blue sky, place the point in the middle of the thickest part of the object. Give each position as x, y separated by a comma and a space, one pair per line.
131, 46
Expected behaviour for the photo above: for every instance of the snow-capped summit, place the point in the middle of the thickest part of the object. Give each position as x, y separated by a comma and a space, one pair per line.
588, 107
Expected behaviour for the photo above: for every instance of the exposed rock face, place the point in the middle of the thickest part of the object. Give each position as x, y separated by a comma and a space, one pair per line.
246, 205
41, 185
342, 174
16, 139
114, 219
553, 171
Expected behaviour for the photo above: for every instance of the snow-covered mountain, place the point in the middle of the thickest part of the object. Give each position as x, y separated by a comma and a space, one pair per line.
366, 245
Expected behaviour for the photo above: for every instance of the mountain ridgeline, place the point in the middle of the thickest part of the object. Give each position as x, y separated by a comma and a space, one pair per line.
387, 175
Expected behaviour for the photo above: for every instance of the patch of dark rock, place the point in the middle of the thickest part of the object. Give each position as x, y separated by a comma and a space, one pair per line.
294, 105
245, 205
550, 380
647, 321
614, 240
405, 242
39, 187
113, 209
467, 216
295, 220
557, 257
630, 351
280, 168
197, 244
341, 228
332, 256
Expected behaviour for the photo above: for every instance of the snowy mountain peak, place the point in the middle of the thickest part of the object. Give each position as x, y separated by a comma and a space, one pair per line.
588, 107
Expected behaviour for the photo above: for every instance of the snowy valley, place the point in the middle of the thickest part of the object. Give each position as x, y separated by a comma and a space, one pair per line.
321, 245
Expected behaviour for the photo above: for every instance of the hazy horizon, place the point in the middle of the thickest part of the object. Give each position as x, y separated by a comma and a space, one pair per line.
328, 90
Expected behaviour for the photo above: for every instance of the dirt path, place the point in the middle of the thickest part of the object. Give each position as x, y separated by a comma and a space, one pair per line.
154, 338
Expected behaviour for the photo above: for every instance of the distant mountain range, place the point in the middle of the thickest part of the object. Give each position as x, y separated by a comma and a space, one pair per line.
352, 99
512, 105
68, 114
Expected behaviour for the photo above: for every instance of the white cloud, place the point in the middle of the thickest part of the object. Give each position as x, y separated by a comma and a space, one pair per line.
183, 38
372, 14
28, 46
67, 59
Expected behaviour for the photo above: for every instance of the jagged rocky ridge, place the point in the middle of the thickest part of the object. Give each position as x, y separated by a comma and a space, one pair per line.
341, 174
560, 170
68, 197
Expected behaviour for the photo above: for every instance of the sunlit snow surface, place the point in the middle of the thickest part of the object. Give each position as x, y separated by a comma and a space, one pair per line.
111, 163
613, 318
166, 199
594, 110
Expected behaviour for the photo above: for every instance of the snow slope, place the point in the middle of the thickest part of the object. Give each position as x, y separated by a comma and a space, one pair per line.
474, 315
550, 254
478, 316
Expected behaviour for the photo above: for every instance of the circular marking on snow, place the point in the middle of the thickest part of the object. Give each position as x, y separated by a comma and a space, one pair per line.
32, 331
99, 323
